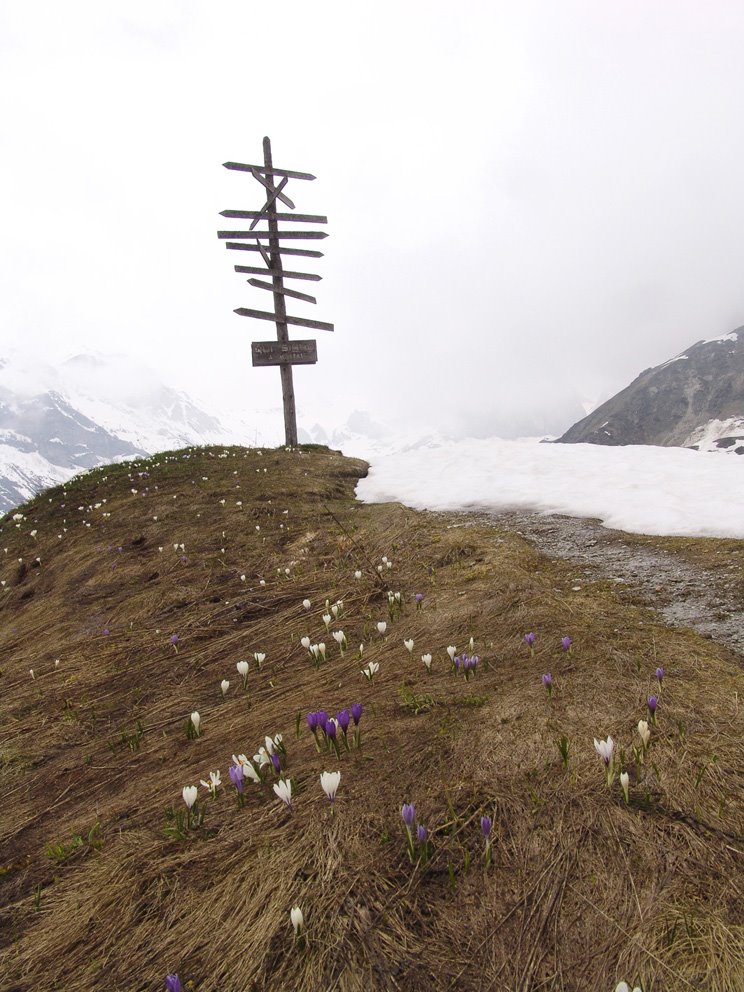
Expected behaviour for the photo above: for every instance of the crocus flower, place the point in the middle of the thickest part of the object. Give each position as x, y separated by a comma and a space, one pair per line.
306, 603
644, 732
408, 644
408, 813
173, 983
659, 674
283, 790
624, 987
529, 640
297, 919
196, 722
371, 670
312, 722
604, 749
486, 825
426, 658
357, 574
260, 657
547, 681
421, 833
224, 685
452, 651
624, 783
381, 628
652, 702
213, 784
419, 597
340, 638
237, 777
322, 650
356, 713
189, 794
276, 762
566, 643
330, 729
329, 782
343, 719
173, 640
305, 642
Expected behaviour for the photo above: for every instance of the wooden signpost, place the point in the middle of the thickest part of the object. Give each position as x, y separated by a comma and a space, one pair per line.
266, 243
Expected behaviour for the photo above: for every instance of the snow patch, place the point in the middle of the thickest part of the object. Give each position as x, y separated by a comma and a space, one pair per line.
638, 488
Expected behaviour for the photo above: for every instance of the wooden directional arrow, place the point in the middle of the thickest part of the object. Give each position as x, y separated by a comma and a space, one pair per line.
262, 215
286, 235
306, 252
319, 325
254, 270
241, 167
285, 292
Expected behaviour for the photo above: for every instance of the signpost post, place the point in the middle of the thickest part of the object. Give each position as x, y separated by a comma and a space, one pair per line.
266, 242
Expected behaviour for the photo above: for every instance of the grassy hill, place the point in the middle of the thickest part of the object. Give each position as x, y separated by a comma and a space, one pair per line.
133, 591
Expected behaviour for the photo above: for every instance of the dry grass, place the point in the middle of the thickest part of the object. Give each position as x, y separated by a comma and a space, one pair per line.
583, 890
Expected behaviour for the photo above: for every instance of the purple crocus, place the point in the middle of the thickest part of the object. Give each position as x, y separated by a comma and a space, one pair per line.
330, 729
237, 779
529, 639
105, 631
659, 674
419, 597
421, 833
547, 681
356, 713
408, 812
312, 721
566, 643
322, 716
172, 983
486, 825
276, 762
652, 702
457, 661
343, 718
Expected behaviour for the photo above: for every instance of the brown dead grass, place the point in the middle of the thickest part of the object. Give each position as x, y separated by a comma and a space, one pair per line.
583, 890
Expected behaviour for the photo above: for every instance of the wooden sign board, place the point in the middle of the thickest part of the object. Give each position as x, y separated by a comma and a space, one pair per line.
284, 352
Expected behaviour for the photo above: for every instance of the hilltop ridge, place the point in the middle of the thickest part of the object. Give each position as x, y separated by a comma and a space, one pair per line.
131, 592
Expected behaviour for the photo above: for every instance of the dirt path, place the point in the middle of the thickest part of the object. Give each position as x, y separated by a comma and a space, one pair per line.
684, 594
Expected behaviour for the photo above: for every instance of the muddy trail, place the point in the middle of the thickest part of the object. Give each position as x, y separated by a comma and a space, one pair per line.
682, 592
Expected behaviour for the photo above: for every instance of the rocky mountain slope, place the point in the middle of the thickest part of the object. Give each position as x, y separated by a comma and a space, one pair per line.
694, 400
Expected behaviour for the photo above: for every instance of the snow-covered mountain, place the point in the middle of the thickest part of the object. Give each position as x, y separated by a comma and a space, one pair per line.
92, 409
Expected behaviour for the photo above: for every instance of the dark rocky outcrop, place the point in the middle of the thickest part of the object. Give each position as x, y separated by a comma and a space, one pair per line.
695, 399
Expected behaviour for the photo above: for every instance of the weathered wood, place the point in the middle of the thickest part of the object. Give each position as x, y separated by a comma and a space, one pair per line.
319, 325
273, 189
255, 270
305, 252
285, 292
261, 214
282, 333
289, 173
269, 205
282, 235
264, 255
284, 352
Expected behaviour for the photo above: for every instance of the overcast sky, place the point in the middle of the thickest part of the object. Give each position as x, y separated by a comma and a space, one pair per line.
527, 201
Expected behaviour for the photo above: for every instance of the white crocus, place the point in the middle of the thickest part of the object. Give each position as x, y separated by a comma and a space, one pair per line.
322, 650
31, 673
242, 667
624, 987
213, 784
371, 670
329, 783
305, 642
381, 628
297, 919
644, 732
451, 651
189, 794
624, 783
604, 749
357, 574
283, 790
426, 658
326, 618
408, 644
269, 742
196, 722
260, 657
224, 685
306, 603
